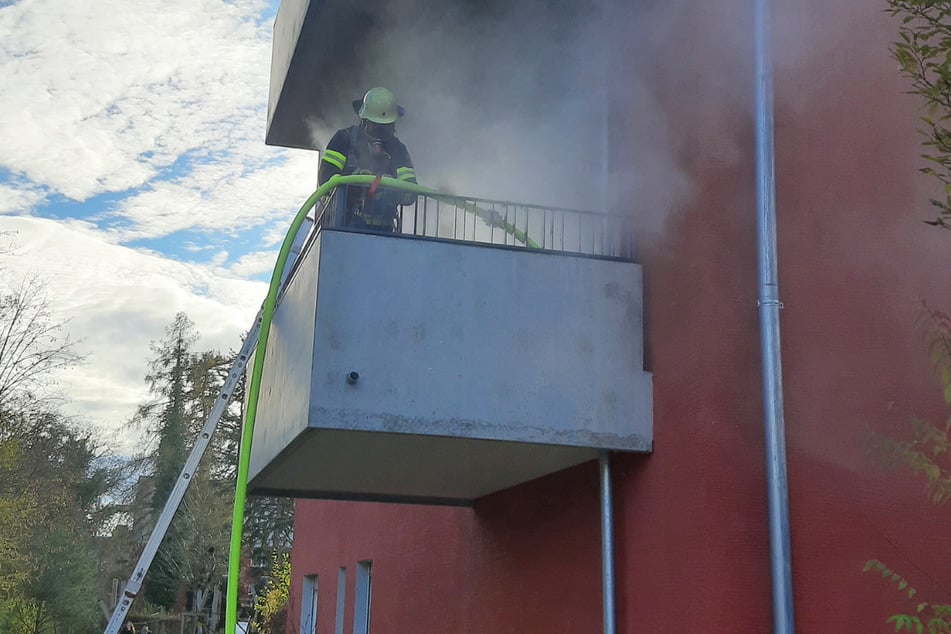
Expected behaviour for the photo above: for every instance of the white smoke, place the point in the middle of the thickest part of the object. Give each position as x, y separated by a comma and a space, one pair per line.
511, 102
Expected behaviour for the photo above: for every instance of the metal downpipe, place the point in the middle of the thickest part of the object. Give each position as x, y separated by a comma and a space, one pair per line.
769, 306
607, 545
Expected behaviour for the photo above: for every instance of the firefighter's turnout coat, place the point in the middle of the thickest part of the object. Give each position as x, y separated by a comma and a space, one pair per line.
350, 151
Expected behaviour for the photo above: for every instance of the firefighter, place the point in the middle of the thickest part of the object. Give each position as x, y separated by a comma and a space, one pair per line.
371, 147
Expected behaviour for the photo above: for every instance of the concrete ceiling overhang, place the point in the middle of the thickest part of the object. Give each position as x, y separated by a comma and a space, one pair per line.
326, 53
316, 43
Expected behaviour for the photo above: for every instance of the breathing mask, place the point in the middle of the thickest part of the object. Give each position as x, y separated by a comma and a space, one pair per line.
378, 131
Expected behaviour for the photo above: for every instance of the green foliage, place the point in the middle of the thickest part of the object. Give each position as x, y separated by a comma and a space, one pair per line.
48, 480
927, 453
271, 606
923, 53
18, 513
268, 526
168, 382
51, 481
178, 385
184, 387
930, 618
67, 569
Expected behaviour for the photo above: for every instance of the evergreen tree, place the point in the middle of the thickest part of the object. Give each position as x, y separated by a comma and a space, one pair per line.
186, 387
169, 375
192, 559
167, 420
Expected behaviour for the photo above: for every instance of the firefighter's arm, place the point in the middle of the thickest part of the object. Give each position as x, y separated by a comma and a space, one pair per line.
334, 158
326, 170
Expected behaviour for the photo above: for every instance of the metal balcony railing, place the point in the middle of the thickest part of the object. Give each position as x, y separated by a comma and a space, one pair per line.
435, 215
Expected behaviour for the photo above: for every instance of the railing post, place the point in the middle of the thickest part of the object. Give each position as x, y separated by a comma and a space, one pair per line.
340, 207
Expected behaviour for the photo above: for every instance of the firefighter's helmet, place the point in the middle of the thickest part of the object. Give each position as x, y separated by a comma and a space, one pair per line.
379, 106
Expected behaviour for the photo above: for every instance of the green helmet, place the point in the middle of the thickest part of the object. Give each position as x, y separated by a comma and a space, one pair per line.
379, 106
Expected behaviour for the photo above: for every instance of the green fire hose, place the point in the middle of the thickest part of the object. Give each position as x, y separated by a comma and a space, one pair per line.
254, 383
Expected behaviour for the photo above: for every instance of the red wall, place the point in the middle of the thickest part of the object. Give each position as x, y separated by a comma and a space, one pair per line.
522, 560
419, 557
692, 551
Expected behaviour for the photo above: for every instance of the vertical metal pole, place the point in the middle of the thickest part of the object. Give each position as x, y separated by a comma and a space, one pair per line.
769, 305
607, 545
607, 51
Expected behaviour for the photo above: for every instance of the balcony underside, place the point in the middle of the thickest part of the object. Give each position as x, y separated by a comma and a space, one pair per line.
387, 467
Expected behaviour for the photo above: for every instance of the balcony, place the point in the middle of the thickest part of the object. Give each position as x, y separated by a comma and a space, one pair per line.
480, 345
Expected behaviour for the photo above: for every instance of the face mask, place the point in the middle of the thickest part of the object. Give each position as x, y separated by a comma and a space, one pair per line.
379, 131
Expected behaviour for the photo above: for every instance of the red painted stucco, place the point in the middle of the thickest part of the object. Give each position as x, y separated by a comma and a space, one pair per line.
691, 530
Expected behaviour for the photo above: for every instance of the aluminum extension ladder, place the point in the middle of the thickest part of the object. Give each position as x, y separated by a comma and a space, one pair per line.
142, 566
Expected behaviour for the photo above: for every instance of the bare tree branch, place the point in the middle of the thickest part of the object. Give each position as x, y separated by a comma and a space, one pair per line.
32, 346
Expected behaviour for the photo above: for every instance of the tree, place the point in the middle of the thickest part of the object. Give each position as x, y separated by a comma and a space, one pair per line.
166, 418
271, 605
18, 513
51, 485
168, 380
186, 386
923, 53
51, 479
32, 347
268, 526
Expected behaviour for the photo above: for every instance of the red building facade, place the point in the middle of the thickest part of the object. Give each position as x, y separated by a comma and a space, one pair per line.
690, 519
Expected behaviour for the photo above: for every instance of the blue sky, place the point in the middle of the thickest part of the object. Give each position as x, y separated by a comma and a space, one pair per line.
134, 178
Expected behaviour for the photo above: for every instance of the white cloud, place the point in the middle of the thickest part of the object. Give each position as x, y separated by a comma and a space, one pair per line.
241, 191
118, 300
252, 264
18, 198
98, 95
